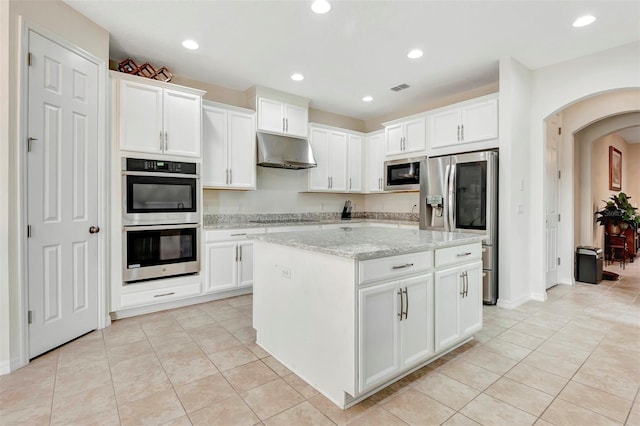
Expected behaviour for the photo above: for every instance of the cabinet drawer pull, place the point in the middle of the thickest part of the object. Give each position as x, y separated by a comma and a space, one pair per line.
463, 254
238, 235
406, 302
406, 265
165, 294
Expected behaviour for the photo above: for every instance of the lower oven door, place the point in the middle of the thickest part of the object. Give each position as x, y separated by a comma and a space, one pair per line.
160, 251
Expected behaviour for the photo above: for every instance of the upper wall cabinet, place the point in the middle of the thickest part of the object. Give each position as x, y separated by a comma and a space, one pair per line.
375, 163
406, 136
466, 122
228, 147
156, 117
280, 117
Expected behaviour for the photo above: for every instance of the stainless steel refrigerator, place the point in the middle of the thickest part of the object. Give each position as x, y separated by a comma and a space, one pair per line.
459, 193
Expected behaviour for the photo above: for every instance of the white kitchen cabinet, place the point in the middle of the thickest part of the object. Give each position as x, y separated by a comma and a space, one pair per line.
406, 137
458, 303
228, 259
158, 118
354, 169
280, 117
229, 147
470, 121
375, 163
395, 328
330, 150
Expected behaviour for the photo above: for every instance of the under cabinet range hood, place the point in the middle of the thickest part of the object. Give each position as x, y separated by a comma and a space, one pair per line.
284, 152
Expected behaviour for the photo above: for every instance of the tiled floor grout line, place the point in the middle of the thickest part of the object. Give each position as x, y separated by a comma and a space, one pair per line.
113, 385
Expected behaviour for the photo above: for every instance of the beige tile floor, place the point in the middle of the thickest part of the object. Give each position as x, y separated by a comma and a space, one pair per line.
574, 360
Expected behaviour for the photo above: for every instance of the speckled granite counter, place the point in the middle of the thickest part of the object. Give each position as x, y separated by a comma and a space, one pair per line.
368, 243
263, 224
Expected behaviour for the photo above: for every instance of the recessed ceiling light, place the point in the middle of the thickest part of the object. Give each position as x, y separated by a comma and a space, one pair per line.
367, 99
320, 6
415, 54
190, 44
583, 21
297, 77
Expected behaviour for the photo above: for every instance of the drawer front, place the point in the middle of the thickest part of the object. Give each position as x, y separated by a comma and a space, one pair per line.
459, 254
230, 234
395, 266
166, 294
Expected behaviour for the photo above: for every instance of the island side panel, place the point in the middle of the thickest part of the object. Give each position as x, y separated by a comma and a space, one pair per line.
304, 315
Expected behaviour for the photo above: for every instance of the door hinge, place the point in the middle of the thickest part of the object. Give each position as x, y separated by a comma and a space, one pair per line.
28, 59
28, 231
559, 130
558, 261
30, 317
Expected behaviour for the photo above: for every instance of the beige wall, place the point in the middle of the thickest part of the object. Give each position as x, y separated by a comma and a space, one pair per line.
600, 191
53, 17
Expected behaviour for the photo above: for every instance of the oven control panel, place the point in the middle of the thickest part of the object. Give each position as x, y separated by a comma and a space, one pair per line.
159, 166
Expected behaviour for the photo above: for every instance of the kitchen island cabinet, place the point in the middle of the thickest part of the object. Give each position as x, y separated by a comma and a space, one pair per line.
352, 310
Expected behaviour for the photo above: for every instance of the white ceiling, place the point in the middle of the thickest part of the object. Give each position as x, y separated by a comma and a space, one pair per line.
359, 48
630, 134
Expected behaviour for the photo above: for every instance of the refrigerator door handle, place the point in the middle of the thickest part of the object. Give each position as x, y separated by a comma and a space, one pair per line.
452, 198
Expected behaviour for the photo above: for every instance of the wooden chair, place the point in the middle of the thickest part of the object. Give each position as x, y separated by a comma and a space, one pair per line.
618, 249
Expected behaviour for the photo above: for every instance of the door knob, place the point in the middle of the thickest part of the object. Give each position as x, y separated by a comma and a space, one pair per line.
94, 229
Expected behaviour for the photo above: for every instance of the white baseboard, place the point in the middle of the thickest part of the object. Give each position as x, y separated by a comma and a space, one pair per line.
5, 366
512, 304
539, 297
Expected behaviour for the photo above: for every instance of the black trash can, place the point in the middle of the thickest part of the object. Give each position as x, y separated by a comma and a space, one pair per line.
589, 262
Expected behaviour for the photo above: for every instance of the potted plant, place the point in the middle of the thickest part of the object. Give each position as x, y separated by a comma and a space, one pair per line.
618, 214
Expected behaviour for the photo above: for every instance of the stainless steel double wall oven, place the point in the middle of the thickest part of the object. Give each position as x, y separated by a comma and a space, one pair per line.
161, 219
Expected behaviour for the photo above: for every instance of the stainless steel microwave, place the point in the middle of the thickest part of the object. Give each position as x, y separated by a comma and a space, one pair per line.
403, 174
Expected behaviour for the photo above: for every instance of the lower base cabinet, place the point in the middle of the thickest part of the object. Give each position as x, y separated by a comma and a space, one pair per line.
458, 303
395, 328
229, 265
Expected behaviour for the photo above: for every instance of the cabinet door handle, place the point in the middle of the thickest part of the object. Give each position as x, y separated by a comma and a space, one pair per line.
349, 184
240, 253
161, 141
226, 178
401, 304
236, 253
230, 176
283, 124
462, 132
462, 283
466, 278
166, 140
463, 254
165, 294
328, 182
406, 303
406, 265
458, 133
287, 128
238, 235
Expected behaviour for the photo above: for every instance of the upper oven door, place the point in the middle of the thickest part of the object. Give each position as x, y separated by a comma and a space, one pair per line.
158, 198
402, 174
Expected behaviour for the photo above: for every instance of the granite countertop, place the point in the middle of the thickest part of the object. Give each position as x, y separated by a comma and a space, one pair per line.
368, 243
270, 224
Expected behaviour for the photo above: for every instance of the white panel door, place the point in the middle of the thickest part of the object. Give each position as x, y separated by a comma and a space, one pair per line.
417, 324
338, 153
140, 117
297, 120
270, 115
445, 128
394, 136
375, 166
480, 121
354, 183
245, 263
447, 306
379, 334
62, 189
415, 135
214, 147
242, 150
551, 202
182, 123
222, 269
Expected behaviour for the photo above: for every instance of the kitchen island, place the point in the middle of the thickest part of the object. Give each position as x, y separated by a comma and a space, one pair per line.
352, 310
